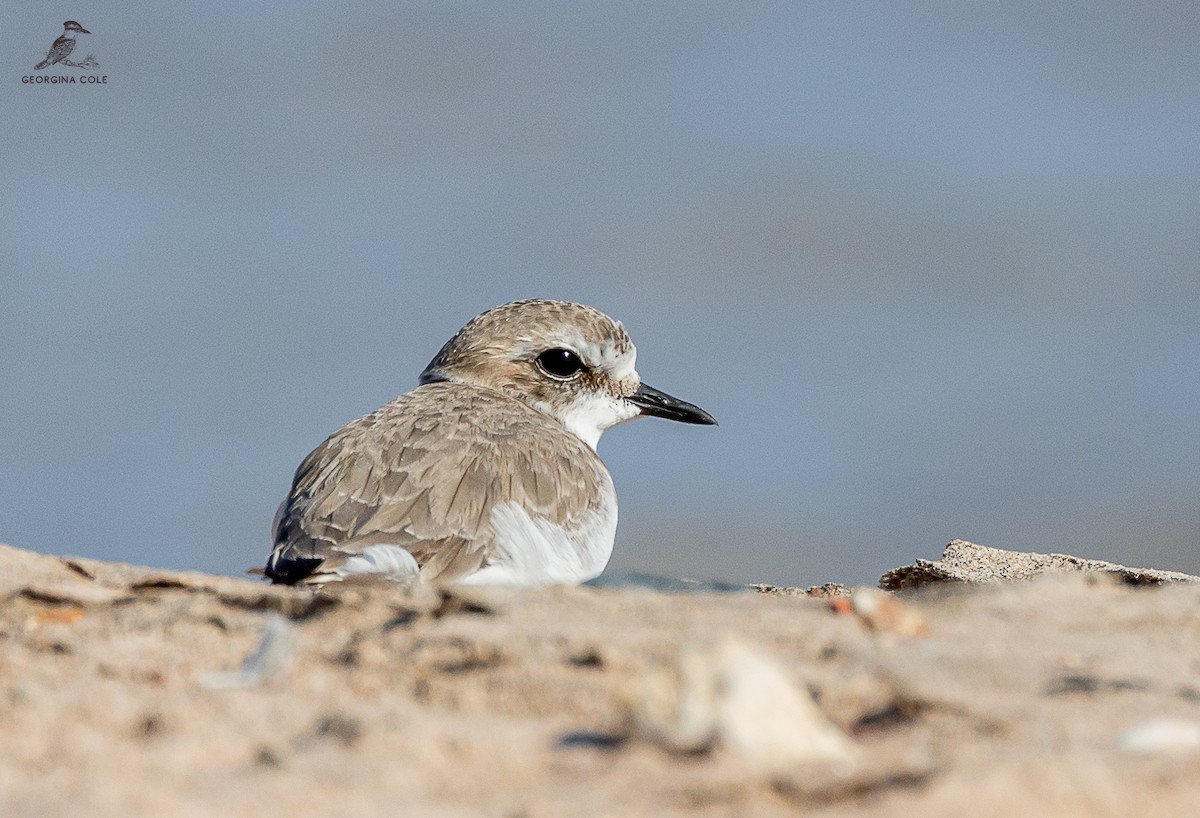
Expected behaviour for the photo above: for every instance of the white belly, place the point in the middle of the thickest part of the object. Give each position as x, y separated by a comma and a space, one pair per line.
533, 551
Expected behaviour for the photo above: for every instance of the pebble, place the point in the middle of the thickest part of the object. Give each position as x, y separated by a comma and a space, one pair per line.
1161, 736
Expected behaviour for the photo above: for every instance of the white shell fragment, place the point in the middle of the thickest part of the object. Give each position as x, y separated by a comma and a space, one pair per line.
1161, 736
882, 611
275, 648
735, 697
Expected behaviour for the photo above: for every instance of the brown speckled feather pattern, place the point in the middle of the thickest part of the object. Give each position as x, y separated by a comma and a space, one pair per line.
422, 473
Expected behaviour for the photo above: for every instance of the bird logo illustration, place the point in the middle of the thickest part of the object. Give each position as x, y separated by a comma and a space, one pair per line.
64, 46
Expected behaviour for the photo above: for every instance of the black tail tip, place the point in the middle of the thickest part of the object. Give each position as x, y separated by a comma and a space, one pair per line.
285, 571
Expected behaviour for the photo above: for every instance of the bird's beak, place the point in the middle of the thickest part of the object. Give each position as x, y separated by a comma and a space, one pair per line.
83, 30
654, 403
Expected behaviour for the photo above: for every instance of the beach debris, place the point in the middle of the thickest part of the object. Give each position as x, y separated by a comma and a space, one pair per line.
340, 728
881, 611
459, 600
737, 698
968, 562
58, 615
275, 648
1087, 683
1161, 736
829, 590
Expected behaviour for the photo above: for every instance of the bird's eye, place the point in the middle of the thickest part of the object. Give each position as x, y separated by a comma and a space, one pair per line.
562, 364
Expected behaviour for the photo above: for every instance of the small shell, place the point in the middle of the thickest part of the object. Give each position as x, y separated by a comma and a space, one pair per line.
738, 698
883, 612
1161, 736
275, 648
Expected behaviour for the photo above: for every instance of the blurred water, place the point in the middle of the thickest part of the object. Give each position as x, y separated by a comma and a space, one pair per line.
935, 268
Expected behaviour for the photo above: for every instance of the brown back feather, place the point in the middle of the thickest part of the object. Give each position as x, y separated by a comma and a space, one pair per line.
422, 473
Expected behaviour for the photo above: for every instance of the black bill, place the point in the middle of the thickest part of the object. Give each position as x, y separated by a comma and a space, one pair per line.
659, 404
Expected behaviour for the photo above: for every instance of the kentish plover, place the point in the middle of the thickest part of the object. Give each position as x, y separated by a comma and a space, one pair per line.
487, 472
61, 48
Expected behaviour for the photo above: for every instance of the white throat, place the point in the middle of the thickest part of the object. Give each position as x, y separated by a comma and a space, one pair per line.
590, 415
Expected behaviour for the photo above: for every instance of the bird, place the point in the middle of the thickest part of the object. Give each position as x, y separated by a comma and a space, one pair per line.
62, 47
486, 473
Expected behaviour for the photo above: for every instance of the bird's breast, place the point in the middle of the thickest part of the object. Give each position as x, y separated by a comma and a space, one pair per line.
530, 550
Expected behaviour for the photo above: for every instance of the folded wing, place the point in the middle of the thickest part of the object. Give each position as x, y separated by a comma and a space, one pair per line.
422, 474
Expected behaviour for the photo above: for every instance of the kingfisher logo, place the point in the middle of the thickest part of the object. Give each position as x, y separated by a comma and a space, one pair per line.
63, 54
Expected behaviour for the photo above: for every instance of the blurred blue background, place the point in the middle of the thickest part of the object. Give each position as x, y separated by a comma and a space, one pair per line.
934, 266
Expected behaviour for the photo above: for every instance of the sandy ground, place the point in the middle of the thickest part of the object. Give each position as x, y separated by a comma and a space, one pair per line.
1075, 691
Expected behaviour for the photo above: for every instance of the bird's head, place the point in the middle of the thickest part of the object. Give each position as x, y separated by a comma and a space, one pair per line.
567, 360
